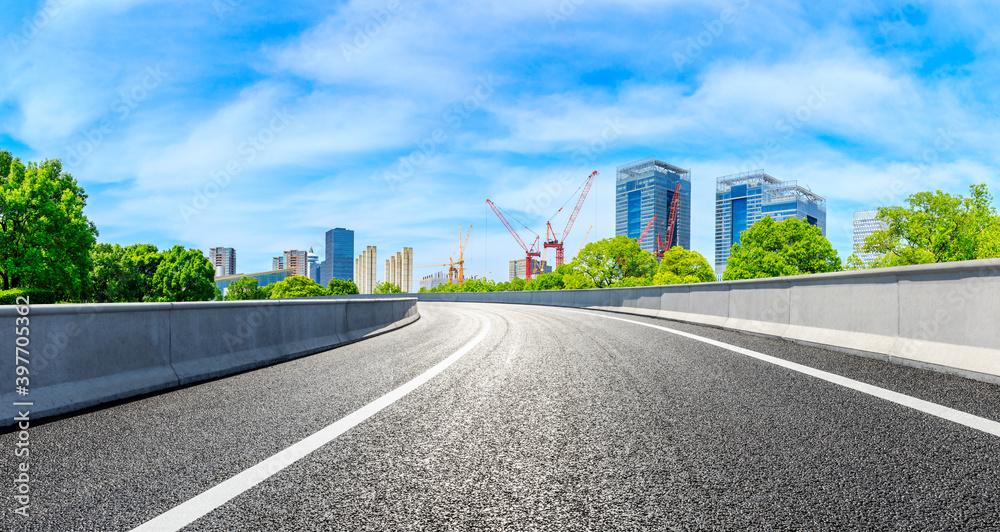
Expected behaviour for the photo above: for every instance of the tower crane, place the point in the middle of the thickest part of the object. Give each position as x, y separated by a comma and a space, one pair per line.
661, 246
456, 270
528, 252
646, 231
550, 235
584, 239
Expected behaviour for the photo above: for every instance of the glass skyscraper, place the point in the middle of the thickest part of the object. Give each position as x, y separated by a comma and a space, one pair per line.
339, 263
865, 223
742, 199
645, 188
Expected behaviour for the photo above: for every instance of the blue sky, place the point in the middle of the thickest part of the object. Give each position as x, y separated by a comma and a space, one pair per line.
260, 125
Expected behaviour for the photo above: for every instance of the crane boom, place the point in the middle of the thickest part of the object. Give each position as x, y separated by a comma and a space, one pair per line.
507, 225
528, 253
585, 237
674, 203
646, 230
579, 204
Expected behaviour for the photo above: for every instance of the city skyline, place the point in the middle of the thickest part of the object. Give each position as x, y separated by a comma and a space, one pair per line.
291, 120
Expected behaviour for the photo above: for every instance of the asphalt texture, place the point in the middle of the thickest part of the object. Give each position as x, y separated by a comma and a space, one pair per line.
558, 420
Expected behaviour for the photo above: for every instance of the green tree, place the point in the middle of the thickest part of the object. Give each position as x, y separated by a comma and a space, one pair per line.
632, 281
184, 275
680, 266
775, 249
45, 239
296, 286
937, 227
114, 277
341, 287
145, 258
387, 288
545, 281
246, 288
611, 260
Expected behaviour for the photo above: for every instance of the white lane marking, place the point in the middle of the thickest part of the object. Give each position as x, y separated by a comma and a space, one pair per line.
979, 423
200, 505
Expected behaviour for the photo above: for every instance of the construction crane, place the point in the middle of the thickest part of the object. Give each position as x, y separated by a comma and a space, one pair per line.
584, 239
661, 246
452, 270
646, 231
461, 252
456, 270
550, 235
528, 252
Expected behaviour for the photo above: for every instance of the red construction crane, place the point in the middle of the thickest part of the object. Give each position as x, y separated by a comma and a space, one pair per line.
529, 253
674, 203
646, 231
550, 235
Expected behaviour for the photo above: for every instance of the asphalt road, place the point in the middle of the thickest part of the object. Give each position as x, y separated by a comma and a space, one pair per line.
554, 420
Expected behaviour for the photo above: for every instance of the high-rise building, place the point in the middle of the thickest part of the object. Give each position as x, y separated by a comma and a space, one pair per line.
312, 259
645, 188
364, 270
399, 269
515, 268
223, 260
339, 256
742, 199
297, 260
866, 223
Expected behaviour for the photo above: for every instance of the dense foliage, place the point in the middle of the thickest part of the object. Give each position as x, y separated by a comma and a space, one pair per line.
775, 249
679, 265
387, 288
611, 261
935, 227
45, 239
296, 286
340, 287
184, 275
246, 288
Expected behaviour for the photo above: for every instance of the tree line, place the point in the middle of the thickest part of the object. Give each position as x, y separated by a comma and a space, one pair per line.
930, 227
49, 249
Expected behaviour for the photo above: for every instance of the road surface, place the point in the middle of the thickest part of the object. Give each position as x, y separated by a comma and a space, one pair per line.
530, 418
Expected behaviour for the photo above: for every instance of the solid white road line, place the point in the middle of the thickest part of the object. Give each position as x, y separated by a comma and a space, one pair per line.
979, 423
200, 505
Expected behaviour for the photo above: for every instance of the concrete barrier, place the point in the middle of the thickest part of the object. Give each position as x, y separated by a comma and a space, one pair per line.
944, 317
85, 355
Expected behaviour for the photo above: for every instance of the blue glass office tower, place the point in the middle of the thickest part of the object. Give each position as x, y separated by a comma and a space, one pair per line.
742, 199
339, 263
645, 188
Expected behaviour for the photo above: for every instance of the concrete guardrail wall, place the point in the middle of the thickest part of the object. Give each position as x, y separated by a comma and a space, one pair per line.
85, 355
944, 316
